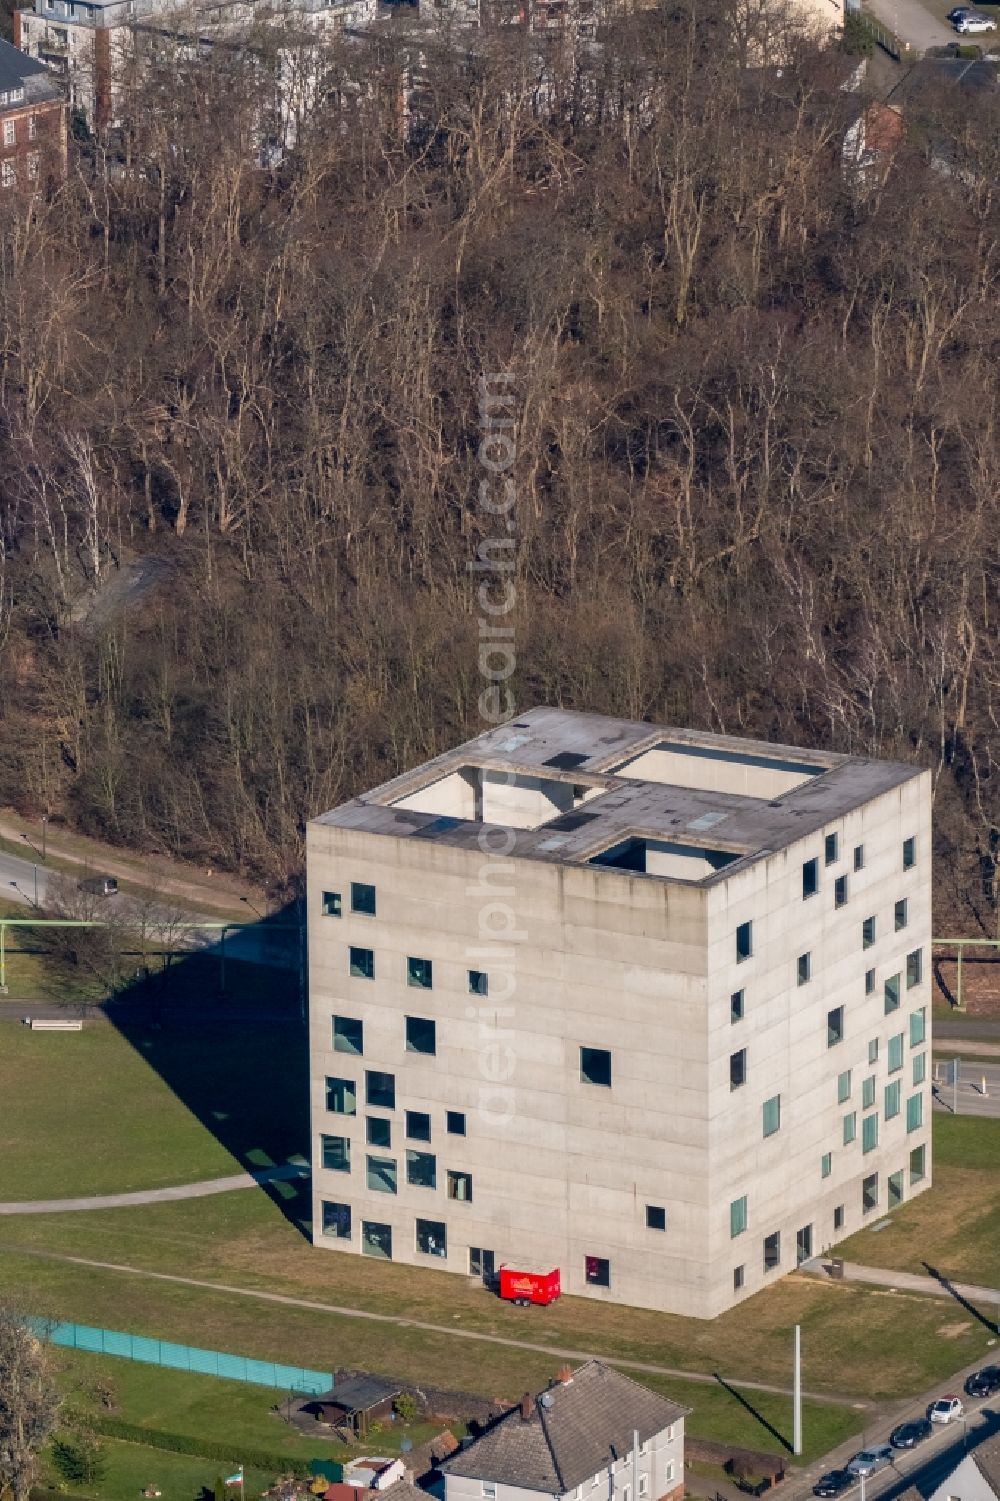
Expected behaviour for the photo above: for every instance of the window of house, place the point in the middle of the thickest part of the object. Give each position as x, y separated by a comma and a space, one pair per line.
738, 1216
895, 1053
432, 1238
336, 1153
668, 1472
771, 1115
843, 1086
331, 904
810, 878
826, 1165
489, 1490
595, 1066
869, 982
909, 853
873, 1050
382, 1175
869, 1194
336, 1220
899, 914
744, 941
772, 1251
739, 1277
420, 973
348, 1035
834, 1026
421, 1035
738, 1069
479, 982
914, 1112
380, 1090
914, 968
9, 132
917, 1165
460, 1186
859, 857
8, 177
363, 898
850, 1127
919, 1068
455, 1122
869, 1133
342, 1096
421, 1169
831, 848
918, 1027
597, 1271
643, 1485
32, 127
838, 1217
891, 1100
378, 1133
894, 1184
737, 1003
804, 968
840, 891
868, 1092
376, 1240
418, 1125
891, 993
656, 1217
362, 963
868, 932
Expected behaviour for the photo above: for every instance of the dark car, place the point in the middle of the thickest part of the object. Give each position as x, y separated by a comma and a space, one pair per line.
959, 12
984, 1383
834, 1483
909, 1435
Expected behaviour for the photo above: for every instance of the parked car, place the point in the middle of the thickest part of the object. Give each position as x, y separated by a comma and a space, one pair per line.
100, 885
870, 1461
909, 1435
834, 1483
972, 24
984, 1383
944, 1409
956, 15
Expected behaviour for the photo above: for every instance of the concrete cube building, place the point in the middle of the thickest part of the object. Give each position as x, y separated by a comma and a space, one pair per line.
650, 1006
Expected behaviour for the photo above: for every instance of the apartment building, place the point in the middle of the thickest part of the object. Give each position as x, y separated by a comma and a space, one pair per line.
32, 123
648, 1005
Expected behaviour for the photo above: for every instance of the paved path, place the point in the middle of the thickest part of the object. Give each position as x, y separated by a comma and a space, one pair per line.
916, 1282
203, 1190
965, 1031
977, 1091
914, 23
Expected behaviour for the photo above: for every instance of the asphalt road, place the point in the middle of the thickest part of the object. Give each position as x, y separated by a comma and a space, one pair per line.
968, 1098
913, 22
20, 880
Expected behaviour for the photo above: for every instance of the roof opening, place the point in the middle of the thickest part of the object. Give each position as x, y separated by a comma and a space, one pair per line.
664, 857
710, 769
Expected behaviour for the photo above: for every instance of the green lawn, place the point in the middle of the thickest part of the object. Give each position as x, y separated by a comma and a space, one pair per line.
180, 1477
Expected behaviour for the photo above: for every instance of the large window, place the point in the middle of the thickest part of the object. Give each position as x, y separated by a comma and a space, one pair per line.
331, 904
869, 1133
891, 994
909, 853
421, 1169
348, 1035
595, 1066
421, 1035
597, 1271
738, 1216
914, 1112
382, 1175
455, 1122
420, 973
895, 1053
418, 1125
918, 1027
362, 964
850, 1127
380, 1090
738, 1069
376, 1240
891, 1101
900, 914
460, 1186
810, 878
771, 1115
843, 1086
744, 941
342, 1096
834, 1026
336, 1220
868, 932
432, 1238
378, 1133
772, 1251
336, 1153
914, 968
363, 898
869, 1194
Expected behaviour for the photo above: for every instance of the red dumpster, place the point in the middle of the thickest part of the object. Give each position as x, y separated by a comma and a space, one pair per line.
525, 1285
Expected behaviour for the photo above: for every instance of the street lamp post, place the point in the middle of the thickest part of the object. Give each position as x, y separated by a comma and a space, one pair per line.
45, 825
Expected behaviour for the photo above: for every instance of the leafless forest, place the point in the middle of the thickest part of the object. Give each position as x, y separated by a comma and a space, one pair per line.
757, 431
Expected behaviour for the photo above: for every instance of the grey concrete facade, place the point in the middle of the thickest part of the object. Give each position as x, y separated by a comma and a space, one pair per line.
598, 874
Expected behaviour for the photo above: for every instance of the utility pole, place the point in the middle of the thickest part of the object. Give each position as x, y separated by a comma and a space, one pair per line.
797, 1396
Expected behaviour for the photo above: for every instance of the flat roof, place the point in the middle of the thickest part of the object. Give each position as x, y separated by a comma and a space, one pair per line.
591, 752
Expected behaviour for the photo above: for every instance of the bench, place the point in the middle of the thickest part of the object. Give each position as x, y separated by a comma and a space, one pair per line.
38, 1024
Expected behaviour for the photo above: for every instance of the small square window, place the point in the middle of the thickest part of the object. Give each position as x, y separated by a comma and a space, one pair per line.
873, 1050
378, 1133
479, 982
597, 1271
738, 1069
771, 1115
772, 1251
342, 1096
382, 1175
891, 994
859, 857
914, 968
331, 904
336, 1153
840, 891
826, 1165
432, 1238
421, 1035
868, 1093
909, 853
868, 932
420, 973
738, 1217
804, 969
595, 1066
362, 964
421, 1169
656, 1217
380, 1090
455, 1120
850, 1128
348, 1035
336, 1220
810, 878
744, 941
831, 848
460, 1187
363, 898
899, 914
843, 1086
869, 1133
869, 1194
736, 1006
739, 1277
838, 1217
834, 1026
869, 982
376, 1240
418, 1125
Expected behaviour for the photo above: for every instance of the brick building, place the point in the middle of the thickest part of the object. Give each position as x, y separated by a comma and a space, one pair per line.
32, 122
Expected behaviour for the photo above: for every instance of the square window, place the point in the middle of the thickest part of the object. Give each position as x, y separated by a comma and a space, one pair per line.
868, 1093
656, 1217
919, 1068
840, 891
918, 1027
597, 1271
810, 878
736, 1006
834, 1026
895, 1053
420, 973
378, 1133
418, 1125
869, 982
595, 1066
336, 1153
739, 1277
891, 994
850, 1128
363, 898
771, 1115
342, 1096
421, 1169
831, 848
859, 857
914, 968
489, 1490
432, 1238
826, 1165
909, 853
899, 914
873, 1050
460, 1186
479, 982
772, 1251
869, 1133
838, 1217
738, 1069
738, 1217
843, 1086
804, 969
376, 1240
380, 1090
868, 932
348, 1035
421, 1035
362, 964
869, 1194
455, 1121
336, 1221
891, 1100
914, 1112
331, 904
917, 1165
382, 1175
744, 942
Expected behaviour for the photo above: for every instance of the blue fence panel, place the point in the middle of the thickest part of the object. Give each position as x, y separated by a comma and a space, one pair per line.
146, 1350
177, 1357
116, 1343
260, 1372
205, 1361
232, 1366
89, 1339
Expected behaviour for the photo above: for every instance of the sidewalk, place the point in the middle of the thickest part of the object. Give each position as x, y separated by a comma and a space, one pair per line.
914, 1282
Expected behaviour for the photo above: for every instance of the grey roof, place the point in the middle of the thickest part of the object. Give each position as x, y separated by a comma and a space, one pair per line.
986, 1457
587, 1420
360, 1393
592, 749
403, 1490
16, 67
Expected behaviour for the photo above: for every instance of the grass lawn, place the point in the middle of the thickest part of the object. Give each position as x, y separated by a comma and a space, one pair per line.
180, 1477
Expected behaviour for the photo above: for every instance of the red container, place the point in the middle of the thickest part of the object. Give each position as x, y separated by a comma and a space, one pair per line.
523, 1286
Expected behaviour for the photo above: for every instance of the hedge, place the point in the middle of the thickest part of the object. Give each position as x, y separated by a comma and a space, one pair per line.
201, 1448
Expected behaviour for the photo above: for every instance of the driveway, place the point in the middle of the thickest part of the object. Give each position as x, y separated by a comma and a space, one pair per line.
914, 23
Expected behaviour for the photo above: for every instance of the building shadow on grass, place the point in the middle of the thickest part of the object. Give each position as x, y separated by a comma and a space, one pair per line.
952, 1290
754, 1412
